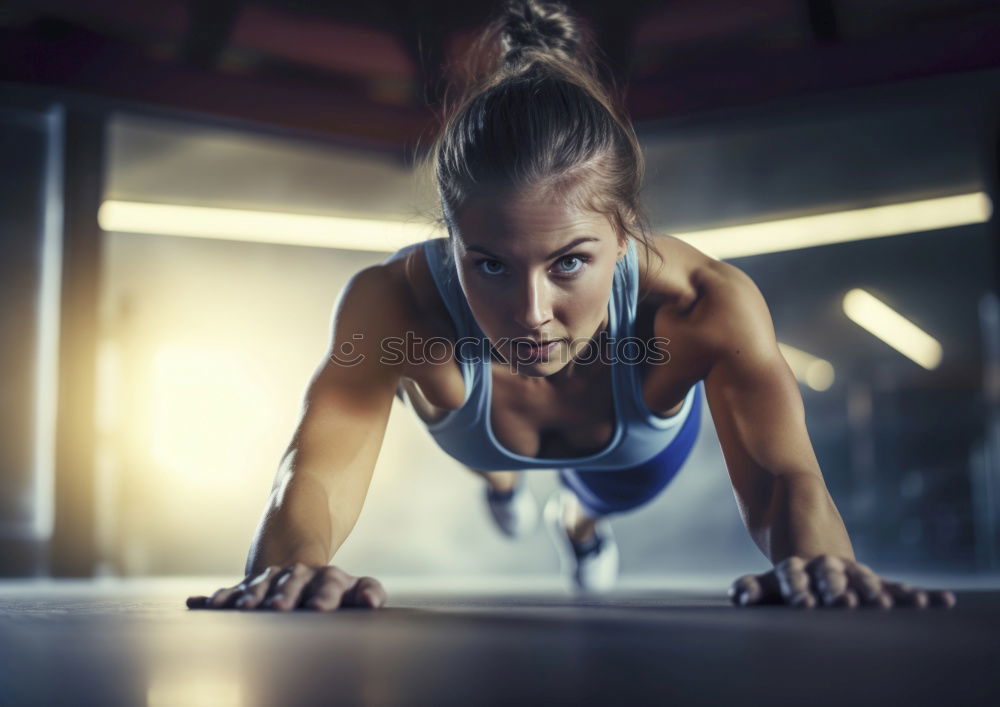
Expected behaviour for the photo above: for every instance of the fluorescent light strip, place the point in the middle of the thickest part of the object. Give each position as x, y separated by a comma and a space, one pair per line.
46, 383
811, 370
388, 236
841, 226
893, 328
261, 226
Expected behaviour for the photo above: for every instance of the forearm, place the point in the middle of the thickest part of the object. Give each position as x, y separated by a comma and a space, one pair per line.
295, 526
801, 519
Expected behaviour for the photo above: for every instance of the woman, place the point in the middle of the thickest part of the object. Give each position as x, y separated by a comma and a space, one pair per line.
603, 346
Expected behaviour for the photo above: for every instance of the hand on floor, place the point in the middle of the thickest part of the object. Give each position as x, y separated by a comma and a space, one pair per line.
828, 580
318, 588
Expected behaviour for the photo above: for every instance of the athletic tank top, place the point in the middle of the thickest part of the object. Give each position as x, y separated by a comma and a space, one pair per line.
466, 434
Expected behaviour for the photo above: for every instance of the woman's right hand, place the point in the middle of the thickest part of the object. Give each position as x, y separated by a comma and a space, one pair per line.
315, 587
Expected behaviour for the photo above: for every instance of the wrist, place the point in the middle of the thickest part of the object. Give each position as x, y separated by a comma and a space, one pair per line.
803, 521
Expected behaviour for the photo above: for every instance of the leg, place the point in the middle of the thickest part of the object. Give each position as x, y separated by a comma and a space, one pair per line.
498, 481
509, 501
578, 523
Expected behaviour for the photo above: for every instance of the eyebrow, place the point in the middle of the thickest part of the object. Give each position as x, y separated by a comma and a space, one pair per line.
554, 254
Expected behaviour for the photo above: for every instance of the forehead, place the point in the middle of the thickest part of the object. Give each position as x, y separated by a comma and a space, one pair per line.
521, 219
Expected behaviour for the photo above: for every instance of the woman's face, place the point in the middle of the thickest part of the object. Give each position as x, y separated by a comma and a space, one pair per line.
533, 271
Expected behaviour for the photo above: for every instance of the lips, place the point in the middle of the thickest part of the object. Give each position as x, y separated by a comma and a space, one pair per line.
528, 349
534, 342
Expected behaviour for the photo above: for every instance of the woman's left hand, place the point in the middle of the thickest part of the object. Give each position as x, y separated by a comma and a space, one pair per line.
828, 580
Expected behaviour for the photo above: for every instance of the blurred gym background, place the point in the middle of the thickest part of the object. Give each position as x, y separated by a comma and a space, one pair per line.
186, 187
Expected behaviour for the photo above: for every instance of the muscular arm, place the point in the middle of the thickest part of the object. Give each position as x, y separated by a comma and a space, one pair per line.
324, 475
760, 419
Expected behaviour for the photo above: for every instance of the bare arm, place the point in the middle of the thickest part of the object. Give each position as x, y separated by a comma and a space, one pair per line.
782, 496
760, 419
324, 475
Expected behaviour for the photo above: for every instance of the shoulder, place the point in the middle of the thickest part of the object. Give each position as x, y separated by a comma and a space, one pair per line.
390, 299
733, 310
718, 306
375, 297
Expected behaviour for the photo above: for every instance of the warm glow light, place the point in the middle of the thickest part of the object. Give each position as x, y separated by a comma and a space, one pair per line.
261, 226
811, 370
841, 226
196, 690
893, 328
203, 403
389, 236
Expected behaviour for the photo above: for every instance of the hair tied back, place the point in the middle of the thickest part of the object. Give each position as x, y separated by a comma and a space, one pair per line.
529, 25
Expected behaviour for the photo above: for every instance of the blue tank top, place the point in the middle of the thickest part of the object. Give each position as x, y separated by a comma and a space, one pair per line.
466, 434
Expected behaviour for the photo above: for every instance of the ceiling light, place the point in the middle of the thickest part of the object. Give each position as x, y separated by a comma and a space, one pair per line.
383, 235
261, 226
811, 370
893, 328
841, 226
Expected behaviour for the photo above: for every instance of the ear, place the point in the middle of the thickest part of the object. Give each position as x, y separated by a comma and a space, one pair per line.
622, 246
621, 231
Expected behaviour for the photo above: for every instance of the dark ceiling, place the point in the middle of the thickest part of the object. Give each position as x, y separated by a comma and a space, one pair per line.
371, 72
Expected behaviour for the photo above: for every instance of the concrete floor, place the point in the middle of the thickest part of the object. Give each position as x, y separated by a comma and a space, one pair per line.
135, 643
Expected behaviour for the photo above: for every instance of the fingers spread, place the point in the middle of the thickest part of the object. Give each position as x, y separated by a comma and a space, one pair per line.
286, 590
257, 590
746, 590
367, 592
299, 585
869, 586
905, 595
328, 588
829, 580
794, 582
942, 598
224, 598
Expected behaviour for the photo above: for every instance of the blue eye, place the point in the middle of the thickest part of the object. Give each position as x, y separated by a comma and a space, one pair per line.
491, 267
571, 258
492, 271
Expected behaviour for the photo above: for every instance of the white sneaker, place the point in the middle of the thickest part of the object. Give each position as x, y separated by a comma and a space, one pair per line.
597, 569
515, 513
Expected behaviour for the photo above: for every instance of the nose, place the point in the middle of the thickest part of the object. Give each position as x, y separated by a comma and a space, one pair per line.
534, 305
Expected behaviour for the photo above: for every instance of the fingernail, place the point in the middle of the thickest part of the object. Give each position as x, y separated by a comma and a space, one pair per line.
242, 601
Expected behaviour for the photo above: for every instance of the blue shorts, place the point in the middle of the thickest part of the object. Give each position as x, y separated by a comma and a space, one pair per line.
604, 492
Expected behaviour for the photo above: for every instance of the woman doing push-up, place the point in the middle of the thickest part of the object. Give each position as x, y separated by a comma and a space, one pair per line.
550, 330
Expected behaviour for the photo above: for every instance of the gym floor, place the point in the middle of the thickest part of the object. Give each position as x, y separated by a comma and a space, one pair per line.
133, 642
